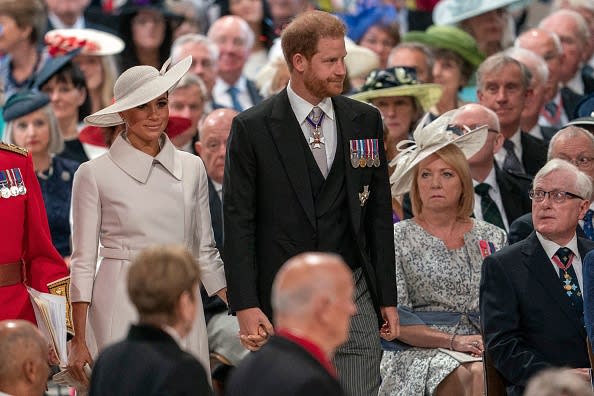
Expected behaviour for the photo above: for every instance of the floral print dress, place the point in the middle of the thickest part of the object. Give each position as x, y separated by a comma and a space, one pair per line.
432, 278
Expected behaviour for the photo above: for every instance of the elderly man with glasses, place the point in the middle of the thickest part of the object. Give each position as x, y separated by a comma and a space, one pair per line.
531, 304
575, 145
500, 197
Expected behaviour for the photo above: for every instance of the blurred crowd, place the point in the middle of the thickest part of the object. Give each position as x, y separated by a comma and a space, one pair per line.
498, 93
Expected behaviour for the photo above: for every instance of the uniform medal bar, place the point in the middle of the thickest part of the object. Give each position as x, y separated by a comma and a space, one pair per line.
20, 181
376, 160
14, 189
354, 157
361, 153
4, 190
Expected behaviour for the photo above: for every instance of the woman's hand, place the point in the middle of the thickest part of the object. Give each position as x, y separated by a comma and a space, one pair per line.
472, 344
79, 356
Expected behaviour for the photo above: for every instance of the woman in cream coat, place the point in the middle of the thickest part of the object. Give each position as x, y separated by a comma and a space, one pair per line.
142, 192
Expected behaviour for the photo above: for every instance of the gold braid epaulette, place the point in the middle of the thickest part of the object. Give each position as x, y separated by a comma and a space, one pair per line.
13, 148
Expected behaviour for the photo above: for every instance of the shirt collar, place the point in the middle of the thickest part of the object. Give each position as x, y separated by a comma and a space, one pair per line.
516, 138
302, 107
138, 164
58, 24
311, 348
491, 180
551, 247
175, 335
222, 87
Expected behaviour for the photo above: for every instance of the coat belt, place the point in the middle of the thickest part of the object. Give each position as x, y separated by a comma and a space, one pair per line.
118, 254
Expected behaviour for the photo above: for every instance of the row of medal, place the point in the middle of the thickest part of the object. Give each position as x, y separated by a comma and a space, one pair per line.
364, 153
11, 183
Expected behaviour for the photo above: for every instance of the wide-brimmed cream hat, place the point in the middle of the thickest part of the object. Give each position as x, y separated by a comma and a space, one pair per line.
359, 61
92, 42
139, 85
428, 140
398, 81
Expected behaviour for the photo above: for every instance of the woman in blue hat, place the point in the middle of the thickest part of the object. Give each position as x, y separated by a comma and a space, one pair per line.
31, 124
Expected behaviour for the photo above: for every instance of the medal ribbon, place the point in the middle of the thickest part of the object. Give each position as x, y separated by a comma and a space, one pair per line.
375, 149
18, 177
368, 148
360, 149
560, 264
11, 180
316, 125
3, 178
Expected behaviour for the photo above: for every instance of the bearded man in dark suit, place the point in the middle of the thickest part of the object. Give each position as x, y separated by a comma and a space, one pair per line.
306, 171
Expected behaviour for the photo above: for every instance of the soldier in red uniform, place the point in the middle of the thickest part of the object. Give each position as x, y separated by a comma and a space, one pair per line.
27, 256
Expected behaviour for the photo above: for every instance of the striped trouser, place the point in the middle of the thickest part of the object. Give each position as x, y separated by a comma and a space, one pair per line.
358, 360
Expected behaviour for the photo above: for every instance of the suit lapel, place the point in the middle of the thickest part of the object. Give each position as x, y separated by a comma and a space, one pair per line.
537, 262
286, 132
349, 129
508, 199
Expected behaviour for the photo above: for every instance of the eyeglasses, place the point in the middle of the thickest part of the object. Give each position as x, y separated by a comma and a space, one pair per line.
584, 163
464, 129
555, 196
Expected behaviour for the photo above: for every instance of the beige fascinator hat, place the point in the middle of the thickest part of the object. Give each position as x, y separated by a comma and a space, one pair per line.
428, 140
136, 86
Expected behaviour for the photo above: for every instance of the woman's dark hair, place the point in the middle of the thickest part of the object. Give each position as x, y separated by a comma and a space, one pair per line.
71, 73
466, 68
268, 35
129, 56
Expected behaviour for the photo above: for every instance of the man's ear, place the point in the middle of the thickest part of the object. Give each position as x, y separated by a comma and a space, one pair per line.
30, 371
299, 62
498, 143
198, 147
584, 206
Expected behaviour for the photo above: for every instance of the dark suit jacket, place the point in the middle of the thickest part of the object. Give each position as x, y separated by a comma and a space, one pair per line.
522, 227
216, 215
281, 367
534, 153
588, 79
570, 101
213, 304
527, 321
514, 195
148, 362
269, 213
548, 133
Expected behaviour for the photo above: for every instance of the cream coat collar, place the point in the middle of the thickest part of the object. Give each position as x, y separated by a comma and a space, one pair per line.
138, 164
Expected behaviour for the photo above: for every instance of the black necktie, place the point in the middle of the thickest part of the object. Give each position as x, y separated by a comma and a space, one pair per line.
489, 209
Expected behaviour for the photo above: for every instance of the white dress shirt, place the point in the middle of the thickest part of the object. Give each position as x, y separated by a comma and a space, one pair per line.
495, 195
551, 248
302, 108
536, 131
218, 188
576, 84
221, 96
542, 120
